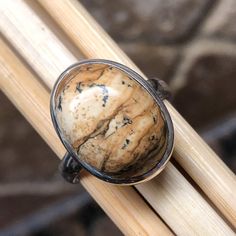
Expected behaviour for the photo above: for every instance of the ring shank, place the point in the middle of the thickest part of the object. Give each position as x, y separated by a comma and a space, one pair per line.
70, 169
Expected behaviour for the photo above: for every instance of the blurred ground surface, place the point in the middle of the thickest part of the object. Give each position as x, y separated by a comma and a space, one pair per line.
191, 44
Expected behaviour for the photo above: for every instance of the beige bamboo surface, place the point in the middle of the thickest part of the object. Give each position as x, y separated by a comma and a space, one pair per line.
174, 197
198, 160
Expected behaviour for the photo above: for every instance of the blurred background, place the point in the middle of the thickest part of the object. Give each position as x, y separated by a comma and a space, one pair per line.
191, 44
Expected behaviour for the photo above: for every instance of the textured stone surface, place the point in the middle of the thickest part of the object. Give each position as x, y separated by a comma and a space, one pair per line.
222, 21
150, 20
112, 123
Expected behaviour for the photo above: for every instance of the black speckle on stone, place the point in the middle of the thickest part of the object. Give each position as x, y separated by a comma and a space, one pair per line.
127, 141
123, 82
110, 68
104, 92
92, 85
126, 120
103, 87
59, 103
151, 138
104, 99
154, 119
78, 87
129, 85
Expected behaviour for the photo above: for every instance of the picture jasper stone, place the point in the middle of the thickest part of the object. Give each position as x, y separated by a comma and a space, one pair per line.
112, 123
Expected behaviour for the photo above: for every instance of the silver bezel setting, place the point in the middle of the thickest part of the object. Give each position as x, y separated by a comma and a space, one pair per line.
136, 77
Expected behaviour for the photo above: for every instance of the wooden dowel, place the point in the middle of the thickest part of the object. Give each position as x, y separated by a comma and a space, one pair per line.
166, 193
125, 207
40, 37
168, 184
198, 160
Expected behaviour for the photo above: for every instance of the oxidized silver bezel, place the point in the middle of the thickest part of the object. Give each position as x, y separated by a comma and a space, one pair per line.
135, 76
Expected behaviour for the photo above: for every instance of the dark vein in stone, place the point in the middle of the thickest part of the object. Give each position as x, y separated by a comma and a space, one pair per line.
138, 163
78, 87
59, 103
127, 141
127, 120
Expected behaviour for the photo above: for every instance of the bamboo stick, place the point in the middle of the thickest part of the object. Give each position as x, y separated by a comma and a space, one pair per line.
174, 199
123, 205
198, 160
170, 190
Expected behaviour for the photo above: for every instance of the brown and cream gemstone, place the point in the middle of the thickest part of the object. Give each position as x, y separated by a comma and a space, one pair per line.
110, 120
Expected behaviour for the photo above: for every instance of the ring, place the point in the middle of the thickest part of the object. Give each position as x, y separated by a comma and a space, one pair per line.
112, 122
